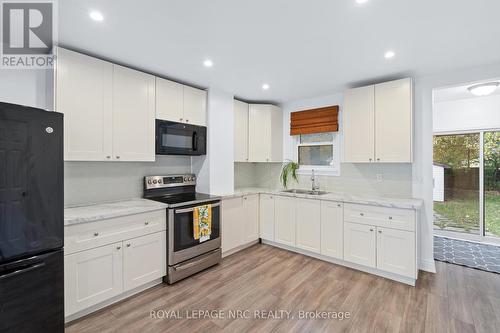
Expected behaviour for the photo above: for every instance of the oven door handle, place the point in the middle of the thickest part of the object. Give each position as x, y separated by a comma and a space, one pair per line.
189, 210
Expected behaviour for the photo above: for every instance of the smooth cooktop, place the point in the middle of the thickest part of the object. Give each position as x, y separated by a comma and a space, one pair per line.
185, 199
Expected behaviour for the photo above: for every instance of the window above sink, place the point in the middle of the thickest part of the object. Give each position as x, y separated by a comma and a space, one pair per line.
319, 151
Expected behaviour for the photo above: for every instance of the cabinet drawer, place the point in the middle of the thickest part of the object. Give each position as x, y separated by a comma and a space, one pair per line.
85, 236
403, 219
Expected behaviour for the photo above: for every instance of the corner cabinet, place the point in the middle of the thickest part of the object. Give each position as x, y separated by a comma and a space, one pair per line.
378, 124
240, 222
109, 110
258, 133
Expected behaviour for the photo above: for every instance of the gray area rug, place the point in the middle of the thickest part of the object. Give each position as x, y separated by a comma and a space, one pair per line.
474, 255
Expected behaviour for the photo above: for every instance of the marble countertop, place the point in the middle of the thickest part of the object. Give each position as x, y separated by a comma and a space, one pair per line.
391, 202
102, 211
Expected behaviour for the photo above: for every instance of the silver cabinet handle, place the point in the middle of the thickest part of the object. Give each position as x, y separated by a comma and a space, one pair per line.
339, 205
380, 231
108, 157
378, 159
270, 197
187, 120
118, 247
146, 223
370, 159
390, 217
96, 234
128, 245
361, 214
371, 229
180, 119
117, 157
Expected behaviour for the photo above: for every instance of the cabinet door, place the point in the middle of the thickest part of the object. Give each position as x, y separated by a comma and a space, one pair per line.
284, 219
133, 115
259, 133
83, 94
251, 215
266, 217
144, 259
308, 225
169, 100
359, 124
92, 276
240, 131
276, 134
195, 106
396, 251
232, 223
360, 244
332, 229
393, 121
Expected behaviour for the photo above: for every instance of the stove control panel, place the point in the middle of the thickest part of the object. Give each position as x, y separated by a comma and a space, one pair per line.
169, 181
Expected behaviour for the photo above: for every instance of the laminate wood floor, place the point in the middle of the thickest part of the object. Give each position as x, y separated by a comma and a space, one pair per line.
456, 299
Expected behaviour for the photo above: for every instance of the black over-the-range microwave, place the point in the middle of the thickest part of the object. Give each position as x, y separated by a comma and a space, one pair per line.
180, 139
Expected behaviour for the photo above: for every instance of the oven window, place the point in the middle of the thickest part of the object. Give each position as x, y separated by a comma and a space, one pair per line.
177, 140
183, 229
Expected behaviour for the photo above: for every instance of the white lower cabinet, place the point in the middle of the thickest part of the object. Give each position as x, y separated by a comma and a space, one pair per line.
92, 276
332, 229
144, 259
240, 221
396, 251
284, 220
308, 230
266, 217
95, 272
360, 244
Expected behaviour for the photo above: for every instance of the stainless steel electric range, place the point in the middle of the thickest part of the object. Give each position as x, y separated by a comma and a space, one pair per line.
185, 254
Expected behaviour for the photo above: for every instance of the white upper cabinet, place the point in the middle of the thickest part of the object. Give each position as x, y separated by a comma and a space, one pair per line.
83, 93
393, 121
359, 125
180, 103
240, 131
378, 123
265, 133
195, 106
133, 115
309, 225
169, 100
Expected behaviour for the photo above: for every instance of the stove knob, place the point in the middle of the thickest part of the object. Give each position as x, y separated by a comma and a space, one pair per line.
154, 181
149, 182
159, 181
186, 179
192, 178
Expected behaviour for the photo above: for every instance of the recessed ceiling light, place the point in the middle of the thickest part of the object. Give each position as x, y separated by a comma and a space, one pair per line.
389, 54
208, 63
265, 86
96, 16
361, 1
483, 89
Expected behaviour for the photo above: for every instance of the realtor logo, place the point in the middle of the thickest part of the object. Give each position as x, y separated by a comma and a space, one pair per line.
27, 34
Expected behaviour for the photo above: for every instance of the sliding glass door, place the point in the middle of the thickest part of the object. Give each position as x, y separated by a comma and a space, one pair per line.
466, 193
491, 153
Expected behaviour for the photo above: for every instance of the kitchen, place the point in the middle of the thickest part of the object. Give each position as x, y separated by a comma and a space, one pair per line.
169, 191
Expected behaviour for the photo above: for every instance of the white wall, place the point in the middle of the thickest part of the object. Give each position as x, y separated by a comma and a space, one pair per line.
26, 87
215, 170
475, 113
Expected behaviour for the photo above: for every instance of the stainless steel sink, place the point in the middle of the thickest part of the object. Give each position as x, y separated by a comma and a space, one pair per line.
305, 192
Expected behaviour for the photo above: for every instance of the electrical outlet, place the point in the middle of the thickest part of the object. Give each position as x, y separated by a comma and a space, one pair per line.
380, 177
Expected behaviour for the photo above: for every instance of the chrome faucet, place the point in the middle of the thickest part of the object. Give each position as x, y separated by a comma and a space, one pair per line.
315, 185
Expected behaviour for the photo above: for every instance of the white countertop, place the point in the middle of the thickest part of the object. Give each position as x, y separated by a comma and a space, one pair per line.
404, 203
102, 211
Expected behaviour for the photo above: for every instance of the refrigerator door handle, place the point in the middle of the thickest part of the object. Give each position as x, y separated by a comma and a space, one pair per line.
23, 270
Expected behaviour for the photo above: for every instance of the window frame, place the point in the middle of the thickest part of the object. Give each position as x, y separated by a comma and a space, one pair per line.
333, 170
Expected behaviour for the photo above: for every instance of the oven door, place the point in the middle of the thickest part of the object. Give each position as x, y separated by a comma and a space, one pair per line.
181, 243
180, 139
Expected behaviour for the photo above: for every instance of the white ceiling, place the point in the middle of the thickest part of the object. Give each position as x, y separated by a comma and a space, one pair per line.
301, 48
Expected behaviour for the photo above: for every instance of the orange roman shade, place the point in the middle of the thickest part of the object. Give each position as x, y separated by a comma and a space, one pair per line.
315, 120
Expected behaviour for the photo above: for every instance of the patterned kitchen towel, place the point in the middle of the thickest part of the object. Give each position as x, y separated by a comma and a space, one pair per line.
202, 222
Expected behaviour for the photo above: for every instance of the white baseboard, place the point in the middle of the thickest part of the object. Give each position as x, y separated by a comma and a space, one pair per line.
239, 248
110, 301
374, 271
427, 265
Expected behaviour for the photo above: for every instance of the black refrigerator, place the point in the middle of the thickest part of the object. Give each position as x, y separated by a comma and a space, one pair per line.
31, 220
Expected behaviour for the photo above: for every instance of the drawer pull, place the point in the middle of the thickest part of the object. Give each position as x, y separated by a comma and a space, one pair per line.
146, 223
361, 214
371, 229
380, 231
339, 205
96, 234
118, 247
128, 245
390, 217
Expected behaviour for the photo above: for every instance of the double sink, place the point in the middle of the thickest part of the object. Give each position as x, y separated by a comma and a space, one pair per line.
310, 192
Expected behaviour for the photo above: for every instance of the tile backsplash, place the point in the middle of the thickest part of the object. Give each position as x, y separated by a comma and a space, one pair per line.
396, 179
